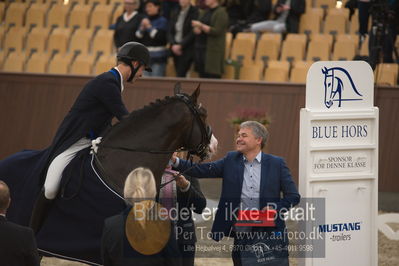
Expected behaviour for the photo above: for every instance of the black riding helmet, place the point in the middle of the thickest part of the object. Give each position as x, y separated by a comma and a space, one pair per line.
134, 51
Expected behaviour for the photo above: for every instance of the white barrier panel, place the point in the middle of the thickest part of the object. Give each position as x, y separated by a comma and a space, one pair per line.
338, 160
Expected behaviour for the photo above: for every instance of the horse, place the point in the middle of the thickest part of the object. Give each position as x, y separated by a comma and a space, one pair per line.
334, 86
92, 184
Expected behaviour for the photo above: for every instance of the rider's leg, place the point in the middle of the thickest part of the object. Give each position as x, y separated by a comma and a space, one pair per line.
57, 166
54, 173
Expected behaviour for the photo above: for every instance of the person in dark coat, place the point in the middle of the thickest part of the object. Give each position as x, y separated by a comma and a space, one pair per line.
127, 24
97, 104
287, 15
186, 196
252, 180
17, 243
181, 36
136, 237
190, 197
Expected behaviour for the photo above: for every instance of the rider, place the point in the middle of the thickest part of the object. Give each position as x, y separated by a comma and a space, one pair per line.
98, 102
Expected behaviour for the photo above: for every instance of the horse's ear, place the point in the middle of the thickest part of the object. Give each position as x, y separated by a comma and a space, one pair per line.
177, 88
196, 93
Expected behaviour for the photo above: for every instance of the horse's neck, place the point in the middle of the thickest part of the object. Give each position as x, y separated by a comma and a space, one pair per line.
160, 128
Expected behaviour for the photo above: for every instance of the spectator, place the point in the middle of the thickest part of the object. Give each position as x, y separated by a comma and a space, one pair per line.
384, 32
364, 14
118, 249
168, 6
152, 33
17, 243
259, 10
288, 13
128, 23
210, 41
181, 36
236, 10
251, 12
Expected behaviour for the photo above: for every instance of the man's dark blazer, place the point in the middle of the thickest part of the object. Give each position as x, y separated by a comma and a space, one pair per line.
191, 198
275, 178
116, 250
17, 245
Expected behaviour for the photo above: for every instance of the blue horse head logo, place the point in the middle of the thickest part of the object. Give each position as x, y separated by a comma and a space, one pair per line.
334, 78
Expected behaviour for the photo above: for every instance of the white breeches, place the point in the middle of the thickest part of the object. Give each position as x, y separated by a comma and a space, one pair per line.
54, 172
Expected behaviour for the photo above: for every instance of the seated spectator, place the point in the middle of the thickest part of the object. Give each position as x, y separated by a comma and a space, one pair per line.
210, 41
181, 36
258, 11
152, 33
128, 23
248, 13
17, 243
287, 13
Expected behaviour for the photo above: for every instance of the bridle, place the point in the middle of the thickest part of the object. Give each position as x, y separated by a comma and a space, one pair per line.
206, 131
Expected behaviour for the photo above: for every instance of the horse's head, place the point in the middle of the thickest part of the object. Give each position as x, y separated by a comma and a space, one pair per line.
199, 140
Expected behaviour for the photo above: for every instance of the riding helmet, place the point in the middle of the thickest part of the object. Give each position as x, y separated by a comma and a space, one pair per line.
134, 51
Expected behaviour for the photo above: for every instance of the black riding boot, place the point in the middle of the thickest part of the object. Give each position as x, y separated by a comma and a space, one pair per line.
40, 211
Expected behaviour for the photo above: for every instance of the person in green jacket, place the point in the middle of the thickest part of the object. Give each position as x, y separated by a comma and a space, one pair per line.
210, 41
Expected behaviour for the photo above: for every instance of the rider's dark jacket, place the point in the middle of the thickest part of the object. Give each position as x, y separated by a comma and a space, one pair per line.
98, 102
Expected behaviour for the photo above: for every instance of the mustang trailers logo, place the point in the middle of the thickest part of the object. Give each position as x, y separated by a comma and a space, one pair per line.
327, 228
339, 87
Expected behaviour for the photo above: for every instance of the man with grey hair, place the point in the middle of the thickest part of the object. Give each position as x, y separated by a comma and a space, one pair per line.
251, 180
17, 243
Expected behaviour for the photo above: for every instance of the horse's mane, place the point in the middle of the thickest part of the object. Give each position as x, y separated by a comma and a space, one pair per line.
160, 102
147, 109
152, 105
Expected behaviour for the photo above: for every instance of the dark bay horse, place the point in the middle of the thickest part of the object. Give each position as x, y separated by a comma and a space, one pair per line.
92, 184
